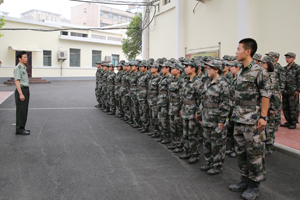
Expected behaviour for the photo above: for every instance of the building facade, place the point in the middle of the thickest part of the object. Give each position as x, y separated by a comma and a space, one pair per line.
96, 15
182, 28
40, 15
83, 48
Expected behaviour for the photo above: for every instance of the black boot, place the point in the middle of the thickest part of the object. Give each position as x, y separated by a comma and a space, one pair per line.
241, 186
252, 190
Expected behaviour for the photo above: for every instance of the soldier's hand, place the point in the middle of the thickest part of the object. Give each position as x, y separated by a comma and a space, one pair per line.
261, 124
221, 126
297, 94
180, 113
197, 117
22, 98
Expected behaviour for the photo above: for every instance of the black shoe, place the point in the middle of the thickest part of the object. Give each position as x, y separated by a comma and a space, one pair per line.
24, 132
193, 160
178, 150
159, 139
228, 152
150, 134
286, 124
252, 190
241, 186
206, 167
155, 135
171, 147
135, 126
144, 130
214, 171
111, 113
292, 126
139, 129
232, 155
97, 106
185, 156
165, 141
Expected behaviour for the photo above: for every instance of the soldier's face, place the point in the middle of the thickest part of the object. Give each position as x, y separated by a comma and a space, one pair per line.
264, 65
289, 59
234, 70
241, 53
211, 72
24, 59
98, 66
153, 70
174, 72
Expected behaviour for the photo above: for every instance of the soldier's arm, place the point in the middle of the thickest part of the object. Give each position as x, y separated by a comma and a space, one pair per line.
298, 79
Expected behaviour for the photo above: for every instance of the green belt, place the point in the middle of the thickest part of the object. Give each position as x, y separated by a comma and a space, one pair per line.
143, 88
153, 93
246, 103
163, 92
211, 105
174, 100
189, 102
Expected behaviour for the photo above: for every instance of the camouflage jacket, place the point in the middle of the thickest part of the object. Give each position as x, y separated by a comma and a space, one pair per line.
190, 98
228, 78
118, 82
153, 90
104, 80
124, 89
175, 95
143, 86
98, 77
279, 70
134, 84
292, 82
214, 107
111, 81
163, 86
275, 103
232, 96
252, 83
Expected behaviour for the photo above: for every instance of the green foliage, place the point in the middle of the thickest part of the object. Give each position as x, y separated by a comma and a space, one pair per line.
1, 24
132, 45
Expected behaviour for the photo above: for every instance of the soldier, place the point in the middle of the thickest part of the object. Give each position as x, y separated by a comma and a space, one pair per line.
267, 63
104, 87
98, 65
213, 112
124, 92
152, 99
100, 83
290, 95
175, 93
142, 97
250, 118
190, 101
134, 94
257, 58
163, 103
111, 90
118, 83
226, 73
128, 77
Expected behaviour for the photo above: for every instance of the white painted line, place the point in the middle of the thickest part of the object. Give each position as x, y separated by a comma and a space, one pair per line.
6, 98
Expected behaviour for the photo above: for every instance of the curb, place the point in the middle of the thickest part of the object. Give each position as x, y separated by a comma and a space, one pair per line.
287, 150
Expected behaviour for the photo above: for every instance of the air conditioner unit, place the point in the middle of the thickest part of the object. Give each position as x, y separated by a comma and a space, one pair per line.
108, 58
62, 55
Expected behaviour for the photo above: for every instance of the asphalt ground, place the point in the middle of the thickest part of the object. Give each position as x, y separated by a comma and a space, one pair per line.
75, 151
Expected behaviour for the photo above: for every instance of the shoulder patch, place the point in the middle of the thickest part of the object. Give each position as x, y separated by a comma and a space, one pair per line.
19, 66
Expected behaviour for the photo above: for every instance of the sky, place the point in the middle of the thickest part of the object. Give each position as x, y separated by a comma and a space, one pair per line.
62, 7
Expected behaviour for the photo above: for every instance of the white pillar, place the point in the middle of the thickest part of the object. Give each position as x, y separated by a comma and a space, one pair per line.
179, 29
145, 37
244, 19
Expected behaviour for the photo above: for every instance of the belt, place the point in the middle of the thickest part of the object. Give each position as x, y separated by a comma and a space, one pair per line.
118, 84
163, 92
152, 93
174, 100
143, 88
22, 86
211, 105
246, 103
189, 102
133, 86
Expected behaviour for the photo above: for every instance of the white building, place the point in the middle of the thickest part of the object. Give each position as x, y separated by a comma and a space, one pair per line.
82, 47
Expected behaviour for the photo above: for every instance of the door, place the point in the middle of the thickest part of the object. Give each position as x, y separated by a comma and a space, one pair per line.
115, 59
29, 63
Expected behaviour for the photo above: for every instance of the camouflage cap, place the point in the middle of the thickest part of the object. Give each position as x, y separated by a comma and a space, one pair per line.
226, 57
177, 66
164, 59
99, 63
271, 53
291, 54
217, 58
276, 55
187, 60
190, 64
126, 64
236, 63
227, 63
167, 64
207, 58
172, 60
232, 58
257, 57
268, 59
111, 65
122, 61
181, 59
143, 64
216, 63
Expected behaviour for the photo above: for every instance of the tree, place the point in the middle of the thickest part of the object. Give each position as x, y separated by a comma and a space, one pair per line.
132, 45
1, 20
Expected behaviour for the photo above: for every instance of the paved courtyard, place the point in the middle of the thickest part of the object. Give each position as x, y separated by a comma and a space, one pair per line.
75, 151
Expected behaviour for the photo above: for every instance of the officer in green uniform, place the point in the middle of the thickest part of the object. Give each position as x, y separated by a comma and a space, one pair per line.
21, 94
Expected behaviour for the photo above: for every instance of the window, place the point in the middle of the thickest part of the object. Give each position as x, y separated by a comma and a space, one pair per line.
101, 14
119, 18
96, 57
64, 33
115, 59
113, 38
128, 19
101, 37
167, 1
47, 58
84, 11
84, 24
74, 57
78, 34
110, 16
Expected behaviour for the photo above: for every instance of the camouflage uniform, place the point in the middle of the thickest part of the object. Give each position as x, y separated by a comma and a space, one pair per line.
118, 97
111, 93
134, 100
289, 101
104, 91
100, 83
125, 95
251, 85
214, 109
97, 86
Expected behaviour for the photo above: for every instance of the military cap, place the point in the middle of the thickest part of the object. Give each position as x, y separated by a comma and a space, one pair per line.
232, 58
257, 57
151, 59
227, 63
155, 65
226, 57
291, 54
268, 59
99, 63
172, 60
276, 55
187, 60
143, 64
177, 66
181, 59
126, 64
216, 63
236, 63
122, 61
217, 58
190, 64
166, 64
111, 65
207, 58
271, 53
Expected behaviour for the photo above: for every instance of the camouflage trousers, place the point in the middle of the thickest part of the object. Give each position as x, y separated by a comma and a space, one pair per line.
278, 114
104, 97
154, 118
126, 107
271, 129
191, 137
144, 113
164, 121
111, 101
230, 139
176, 130
290, 106
97, 95
214, 146
249, 149
119, 104
135, 110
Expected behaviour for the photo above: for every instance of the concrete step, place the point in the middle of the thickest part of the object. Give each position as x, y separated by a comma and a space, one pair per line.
34, 80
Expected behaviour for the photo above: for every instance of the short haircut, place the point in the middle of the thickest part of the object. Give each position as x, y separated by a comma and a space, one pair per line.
20, 54
249, 43
270, 67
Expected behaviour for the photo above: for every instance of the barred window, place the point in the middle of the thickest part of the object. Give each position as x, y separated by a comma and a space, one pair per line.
96, 57
167, 1
110, 16
47, 58
102, 37
113, 38
78, 34
101, 14
74, 57
128, 19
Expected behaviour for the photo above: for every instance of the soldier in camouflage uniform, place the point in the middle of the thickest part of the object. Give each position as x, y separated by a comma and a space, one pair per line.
100, 82
124, 92
104, 87
118, 83
175, 92
257, 58
111, 90
142, 97
163, 103
267, 63
249, 116
290, 95
152, 99
189, 102
226, 73
213, 112
99, 69
134, 94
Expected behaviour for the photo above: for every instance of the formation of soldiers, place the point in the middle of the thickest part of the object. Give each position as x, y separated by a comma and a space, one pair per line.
187, 102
